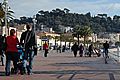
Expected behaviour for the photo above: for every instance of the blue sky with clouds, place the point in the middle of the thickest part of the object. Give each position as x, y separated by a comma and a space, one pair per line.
31, 7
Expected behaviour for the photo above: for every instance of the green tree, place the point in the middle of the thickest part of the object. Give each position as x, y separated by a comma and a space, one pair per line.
84, 32
9, 14
77, 32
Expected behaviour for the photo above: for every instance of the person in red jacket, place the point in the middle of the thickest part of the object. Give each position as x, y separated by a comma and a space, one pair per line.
45, 47
11, 51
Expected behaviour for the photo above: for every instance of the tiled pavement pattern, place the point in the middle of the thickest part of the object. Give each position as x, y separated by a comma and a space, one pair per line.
63, 66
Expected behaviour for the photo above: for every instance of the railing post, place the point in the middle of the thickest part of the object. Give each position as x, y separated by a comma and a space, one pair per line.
118, 53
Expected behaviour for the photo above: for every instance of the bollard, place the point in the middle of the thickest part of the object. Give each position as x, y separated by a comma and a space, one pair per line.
118, 53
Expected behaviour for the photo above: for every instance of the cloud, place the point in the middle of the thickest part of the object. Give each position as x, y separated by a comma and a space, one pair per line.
31, 7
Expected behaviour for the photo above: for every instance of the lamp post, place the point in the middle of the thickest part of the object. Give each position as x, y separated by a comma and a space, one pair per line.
42, 27
34, 23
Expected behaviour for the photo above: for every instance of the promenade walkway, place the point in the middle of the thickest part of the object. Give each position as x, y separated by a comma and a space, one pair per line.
63, 66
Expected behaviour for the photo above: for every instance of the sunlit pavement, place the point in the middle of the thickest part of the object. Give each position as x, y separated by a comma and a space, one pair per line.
63, 66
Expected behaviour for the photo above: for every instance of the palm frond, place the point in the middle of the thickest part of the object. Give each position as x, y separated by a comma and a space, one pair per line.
10, 18
10, 11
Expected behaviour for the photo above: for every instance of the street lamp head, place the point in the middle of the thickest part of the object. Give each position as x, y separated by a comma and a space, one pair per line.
6, 1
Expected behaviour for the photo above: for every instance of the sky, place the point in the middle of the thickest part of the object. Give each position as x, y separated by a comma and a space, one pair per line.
29, 8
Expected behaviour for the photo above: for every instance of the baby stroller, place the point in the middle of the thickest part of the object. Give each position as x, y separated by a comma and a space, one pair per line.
20, 61
97, 52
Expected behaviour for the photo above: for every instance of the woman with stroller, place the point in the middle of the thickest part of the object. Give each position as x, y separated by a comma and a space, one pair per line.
81, 49
90, 50
11, 52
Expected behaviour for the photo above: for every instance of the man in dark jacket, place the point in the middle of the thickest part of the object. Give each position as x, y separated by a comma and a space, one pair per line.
29, 43
106, 46
75, 49
90, 50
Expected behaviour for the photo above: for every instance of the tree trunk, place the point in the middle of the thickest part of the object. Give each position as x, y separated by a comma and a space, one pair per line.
84, 40
65, 43
55, 45
78, 39
69, 44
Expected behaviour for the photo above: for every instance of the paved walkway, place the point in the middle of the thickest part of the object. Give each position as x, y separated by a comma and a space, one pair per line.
63, 66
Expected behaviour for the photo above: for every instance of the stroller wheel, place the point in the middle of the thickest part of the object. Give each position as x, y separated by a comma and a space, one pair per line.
22, 71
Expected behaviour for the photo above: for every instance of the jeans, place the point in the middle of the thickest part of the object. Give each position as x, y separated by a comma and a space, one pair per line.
3, 58
11, 56
28, 56
46, 52
106, 52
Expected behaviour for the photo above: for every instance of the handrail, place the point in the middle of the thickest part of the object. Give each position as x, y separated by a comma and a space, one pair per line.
115, 56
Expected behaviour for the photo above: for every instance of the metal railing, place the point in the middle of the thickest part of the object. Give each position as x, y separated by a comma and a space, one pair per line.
115, 53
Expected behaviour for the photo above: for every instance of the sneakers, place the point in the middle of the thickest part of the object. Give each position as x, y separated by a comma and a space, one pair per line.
30, 73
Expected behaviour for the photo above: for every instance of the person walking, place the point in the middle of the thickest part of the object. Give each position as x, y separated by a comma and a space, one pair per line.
106, 46
3, 48
59, 49
29, 43
90, 50
74, 48
1, 52
81, 49
45, 47
63, 48
11, 52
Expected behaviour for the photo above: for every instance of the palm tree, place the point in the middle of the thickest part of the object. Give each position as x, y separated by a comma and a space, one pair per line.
2, 13
84, 32
77, 32
9, 11
67, 37
9, 14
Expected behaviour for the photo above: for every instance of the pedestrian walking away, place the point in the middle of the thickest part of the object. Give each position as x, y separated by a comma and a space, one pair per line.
81, 49
90, 50
106, 47
45, 47
28, 41
74, 48
11, 51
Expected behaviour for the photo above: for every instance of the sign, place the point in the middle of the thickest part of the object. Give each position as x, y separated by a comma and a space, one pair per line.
44, 39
